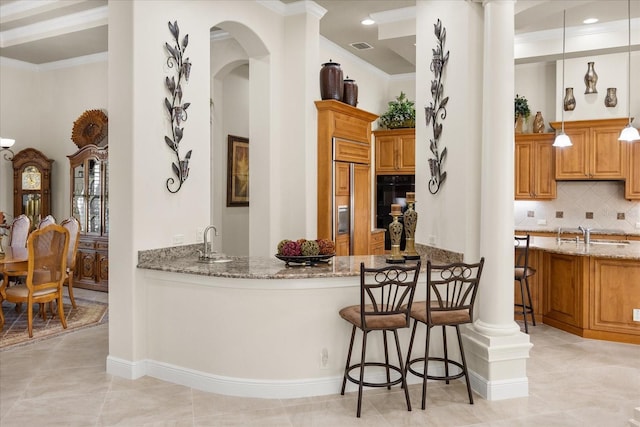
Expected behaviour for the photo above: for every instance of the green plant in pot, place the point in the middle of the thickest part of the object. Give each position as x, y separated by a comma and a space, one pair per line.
400, 114
521, 112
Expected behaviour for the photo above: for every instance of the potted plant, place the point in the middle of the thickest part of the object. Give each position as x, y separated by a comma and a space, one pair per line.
400, 114
522, 112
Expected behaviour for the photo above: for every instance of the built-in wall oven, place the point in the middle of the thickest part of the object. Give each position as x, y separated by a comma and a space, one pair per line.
391, 189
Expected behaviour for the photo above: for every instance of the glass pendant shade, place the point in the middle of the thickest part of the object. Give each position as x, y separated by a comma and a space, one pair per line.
7, 142
562, 140
629, 133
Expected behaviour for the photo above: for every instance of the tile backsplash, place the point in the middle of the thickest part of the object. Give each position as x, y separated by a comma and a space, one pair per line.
593, 204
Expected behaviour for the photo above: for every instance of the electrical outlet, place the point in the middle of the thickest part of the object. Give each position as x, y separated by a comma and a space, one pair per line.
636, 314
542, 222
178, 239
199, 235
324, 358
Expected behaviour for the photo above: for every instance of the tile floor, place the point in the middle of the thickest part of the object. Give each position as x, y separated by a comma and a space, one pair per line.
62, 381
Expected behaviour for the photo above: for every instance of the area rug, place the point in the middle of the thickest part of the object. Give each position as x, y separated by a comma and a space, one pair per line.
14, 334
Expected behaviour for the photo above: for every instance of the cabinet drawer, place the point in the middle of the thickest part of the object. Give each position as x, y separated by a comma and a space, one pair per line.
86, 245
349, 151
102, 245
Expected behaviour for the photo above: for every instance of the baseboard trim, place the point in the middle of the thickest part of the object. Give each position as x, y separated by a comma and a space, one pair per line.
500, 389
243, 387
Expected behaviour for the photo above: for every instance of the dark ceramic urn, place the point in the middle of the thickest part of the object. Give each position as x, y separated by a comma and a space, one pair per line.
331, 86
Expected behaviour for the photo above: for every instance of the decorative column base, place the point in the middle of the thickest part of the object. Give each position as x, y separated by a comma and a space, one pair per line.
497, 364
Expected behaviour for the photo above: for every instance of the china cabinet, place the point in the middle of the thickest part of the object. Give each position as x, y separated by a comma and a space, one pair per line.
395, 151
90, 205
32, 185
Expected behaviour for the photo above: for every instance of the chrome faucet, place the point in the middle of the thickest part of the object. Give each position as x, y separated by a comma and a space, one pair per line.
208, 252
558, 239
586, 232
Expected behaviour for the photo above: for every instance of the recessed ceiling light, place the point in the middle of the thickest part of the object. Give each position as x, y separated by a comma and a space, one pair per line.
367, 21
590, 21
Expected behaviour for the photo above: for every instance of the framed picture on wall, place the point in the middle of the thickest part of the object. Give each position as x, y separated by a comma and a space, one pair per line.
237, 171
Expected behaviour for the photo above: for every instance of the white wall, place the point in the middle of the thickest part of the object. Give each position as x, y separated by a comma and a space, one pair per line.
39, 106
19, 119
235, 220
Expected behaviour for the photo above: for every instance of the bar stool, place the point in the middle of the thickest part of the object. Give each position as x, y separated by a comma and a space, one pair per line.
386, 296
522, 274
451, 293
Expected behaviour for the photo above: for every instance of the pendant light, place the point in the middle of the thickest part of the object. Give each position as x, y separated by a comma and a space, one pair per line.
629, 133
562, 139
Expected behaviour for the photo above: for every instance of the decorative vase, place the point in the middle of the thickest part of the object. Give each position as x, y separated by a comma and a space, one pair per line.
350, 92
538, 123
611, 100
519, 126
590, 79
410, 222
569, 100
395, 233
331, 86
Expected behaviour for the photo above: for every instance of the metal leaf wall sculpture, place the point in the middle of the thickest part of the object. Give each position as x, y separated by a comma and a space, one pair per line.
177, 110
437, 109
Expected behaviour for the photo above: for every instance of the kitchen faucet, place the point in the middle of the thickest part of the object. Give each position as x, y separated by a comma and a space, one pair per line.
586, 232
208, 252
558, 239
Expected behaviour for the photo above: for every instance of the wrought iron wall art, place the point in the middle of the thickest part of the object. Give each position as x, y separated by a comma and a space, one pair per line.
176, 110
437, 109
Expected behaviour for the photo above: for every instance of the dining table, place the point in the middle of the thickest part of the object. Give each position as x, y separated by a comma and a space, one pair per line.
13, 259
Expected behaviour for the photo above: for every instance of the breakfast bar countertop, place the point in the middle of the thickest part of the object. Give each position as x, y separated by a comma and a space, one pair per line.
184, 259
603, 249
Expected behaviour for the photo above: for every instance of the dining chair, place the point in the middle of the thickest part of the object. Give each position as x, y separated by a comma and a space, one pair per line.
451, 294
522, 272
73, 227
386, 295
47, 264
47, 220
19, 274
19, 231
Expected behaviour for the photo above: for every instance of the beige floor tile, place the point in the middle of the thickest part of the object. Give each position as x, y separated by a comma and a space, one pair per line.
572, 382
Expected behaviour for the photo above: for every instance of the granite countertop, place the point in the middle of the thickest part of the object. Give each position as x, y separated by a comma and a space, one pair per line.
623, 250
567, 230
184, 259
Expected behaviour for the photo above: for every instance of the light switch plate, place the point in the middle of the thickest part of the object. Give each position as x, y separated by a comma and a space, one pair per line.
636, 314
542, 222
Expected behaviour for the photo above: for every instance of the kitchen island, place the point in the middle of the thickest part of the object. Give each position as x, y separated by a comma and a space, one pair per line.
588, 290
252, 326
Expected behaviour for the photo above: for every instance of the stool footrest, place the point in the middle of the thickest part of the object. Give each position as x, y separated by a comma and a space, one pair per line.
437, 377
370, 384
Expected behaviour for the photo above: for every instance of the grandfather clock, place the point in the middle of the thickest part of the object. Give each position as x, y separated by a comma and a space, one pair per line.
31, 184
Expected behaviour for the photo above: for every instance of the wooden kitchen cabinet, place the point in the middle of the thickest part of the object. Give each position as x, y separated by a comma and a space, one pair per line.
534, 167
344, 175
566, 294
376, 244
596, 153
614, 293
395, 151
632, 181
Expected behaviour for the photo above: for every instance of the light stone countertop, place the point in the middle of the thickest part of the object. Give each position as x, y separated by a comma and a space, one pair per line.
594, 232
630, 250
184, 259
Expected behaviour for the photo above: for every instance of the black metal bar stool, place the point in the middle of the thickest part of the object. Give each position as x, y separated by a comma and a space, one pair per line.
522, 273
386, 296
451, 294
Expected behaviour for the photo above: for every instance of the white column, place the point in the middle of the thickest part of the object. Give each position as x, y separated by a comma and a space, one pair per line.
496, 347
